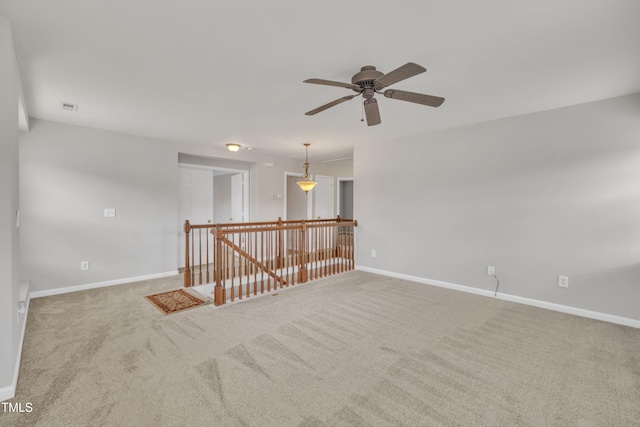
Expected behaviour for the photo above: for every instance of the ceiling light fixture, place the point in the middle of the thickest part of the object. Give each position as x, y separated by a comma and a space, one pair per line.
233, 147
306, 184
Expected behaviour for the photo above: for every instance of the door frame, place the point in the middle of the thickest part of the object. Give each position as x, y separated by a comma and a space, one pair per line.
245, 181
339, 192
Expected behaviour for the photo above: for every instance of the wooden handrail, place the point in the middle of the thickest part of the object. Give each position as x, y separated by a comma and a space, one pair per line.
282, 252
276, 223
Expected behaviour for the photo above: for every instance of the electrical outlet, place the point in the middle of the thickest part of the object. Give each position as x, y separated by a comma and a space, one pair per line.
84, 265
110, 213
491, 270
373, 253
563, 281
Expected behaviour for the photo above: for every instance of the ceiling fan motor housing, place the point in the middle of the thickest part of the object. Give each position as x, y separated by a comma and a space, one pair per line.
365, 78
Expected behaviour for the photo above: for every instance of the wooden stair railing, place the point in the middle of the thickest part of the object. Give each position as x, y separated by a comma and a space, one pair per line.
270, 255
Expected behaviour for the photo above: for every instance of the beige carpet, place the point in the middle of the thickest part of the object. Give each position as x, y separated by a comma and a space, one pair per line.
353, 349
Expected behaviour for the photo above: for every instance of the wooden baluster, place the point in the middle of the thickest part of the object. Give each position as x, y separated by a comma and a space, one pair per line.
347, 248
281, 259
280, 245
247, 272
334, 245
240, 284
314, 255
302, 262
285, 269
341, 252
290, 245
320, 251
218, 295
294, 254
187, 262
352, 244
222, 272
336, 250
330, 250
295, 237
200, 255
324, 251
229, 271
254, 239
193, 260
272, 254
207, 260
233, 258
263, 260
270, 264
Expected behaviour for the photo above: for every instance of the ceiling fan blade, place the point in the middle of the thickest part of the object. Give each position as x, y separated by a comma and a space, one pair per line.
407, 70
418, 98
332, 83
329, 105
372, 112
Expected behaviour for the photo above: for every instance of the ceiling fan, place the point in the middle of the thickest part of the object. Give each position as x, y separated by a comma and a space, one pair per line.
370, 81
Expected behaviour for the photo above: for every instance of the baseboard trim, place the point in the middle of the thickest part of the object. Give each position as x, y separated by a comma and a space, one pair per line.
512, 298
10, 391
7, 393
65, 290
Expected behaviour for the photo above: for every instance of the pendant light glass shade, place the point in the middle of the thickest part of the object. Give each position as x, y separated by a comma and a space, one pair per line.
306, 184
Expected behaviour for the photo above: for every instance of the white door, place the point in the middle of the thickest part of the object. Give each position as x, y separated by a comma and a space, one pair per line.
323, 197
237, 198
195, 201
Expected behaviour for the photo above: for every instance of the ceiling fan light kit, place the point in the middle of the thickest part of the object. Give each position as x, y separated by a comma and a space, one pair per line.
306, 184
370, 81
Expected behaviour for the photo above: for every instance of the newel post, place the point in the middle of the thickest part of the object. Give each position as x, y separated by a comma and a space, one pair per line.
302, 257
187, 261
280, 254
218, 292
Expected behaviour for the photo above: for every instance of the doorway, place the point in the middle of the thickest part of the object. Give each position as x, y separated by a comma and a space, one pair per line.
210, 195
345, 198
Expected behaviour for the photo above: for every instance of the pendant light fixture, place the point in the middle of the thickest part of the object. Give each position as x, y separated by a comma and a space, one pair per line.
306, 184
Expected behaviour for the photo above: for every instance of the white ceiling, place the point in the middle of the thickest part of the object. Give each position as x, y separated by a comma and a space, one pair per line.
215, 72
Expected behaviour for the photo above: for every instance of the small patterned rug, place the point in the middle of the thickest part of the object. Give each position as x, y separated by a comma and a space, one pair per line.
175, 301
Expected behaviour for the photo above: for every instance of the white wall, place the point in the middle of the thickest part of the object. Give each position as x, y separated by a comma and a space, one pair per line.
10, 326
69, 175
537, 196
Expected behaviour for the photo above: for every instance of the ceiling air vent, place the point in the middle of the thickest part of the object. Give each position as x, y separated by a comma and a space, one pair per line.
68, 107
